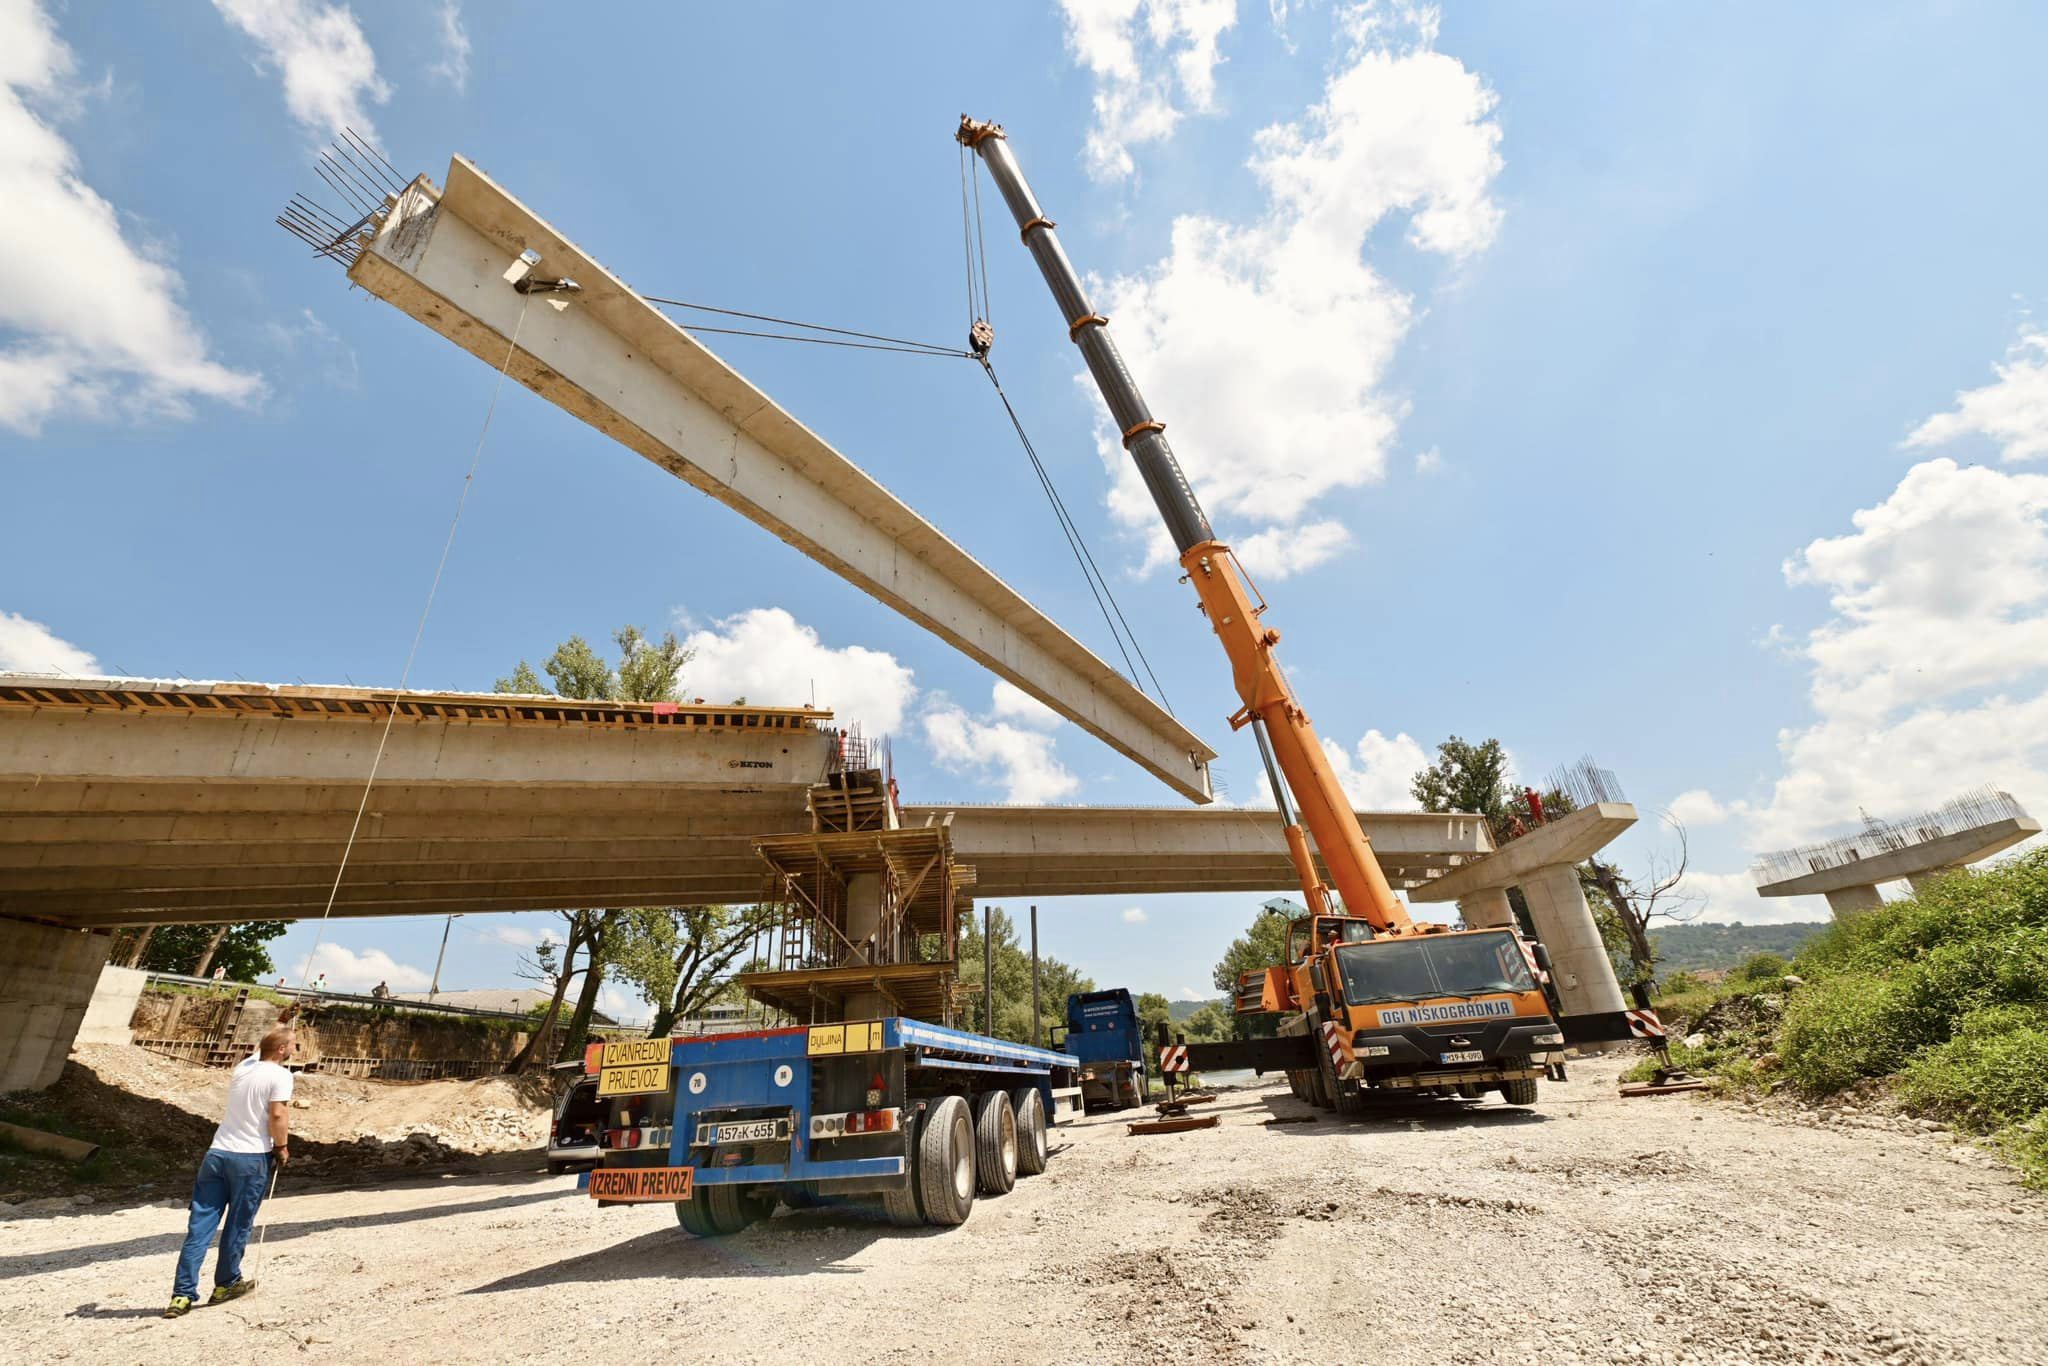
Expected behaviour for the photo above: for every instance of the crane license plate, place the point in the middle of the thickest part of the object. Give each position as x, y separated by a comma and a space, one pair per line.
1464, 1055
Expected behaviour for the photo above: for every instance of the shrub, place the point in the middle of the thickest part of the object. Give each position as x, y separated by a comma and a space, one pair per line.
1680, 984
1759, 972
1994, 1071
1843, 1029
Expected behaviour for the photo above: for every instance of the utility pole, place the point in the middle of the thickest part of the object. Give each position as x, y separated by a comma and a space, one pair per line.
1034, 977
988, 971
435, 989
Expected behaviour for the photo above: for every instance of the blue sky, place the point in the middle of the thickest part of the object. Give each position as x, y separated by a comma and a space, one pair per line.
1665, 388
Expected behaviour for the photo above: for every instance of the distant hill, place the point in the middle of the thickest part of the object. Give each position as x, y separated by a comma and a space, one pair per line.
1182, 1009
1691, 948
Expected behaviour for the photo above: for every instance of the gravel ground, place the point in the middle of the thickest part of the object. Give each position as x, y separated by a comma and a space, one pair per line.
1592, 1228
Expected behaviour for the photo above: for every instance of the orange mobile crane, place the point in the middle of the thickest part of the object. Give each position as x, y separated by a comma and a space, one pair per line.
1369, 999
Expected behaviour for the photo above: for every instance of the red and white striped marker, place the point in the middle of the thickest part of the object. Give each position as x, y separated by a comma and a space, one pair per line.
1644, 1024
1339, 1046
1173, 1058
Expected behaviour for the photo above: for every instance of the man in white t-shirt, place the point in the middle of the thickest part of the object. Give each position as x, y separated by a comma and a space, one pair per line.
252, 1140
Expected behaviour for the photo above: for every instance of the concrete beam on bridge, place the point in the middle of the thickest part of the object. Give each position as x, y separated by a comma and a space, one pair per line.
448, 259
1915, 860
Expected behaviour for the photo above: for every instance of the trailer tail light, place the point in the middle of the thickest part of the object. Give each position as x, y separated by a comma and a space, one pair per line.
622, 1138
871, 1122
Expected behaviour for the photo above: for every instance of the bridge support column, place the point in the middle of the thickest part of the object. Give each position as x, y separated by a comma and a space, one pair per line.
1921, 881
864, 928
47, 976
1847, 901
1486, 909
1585, 979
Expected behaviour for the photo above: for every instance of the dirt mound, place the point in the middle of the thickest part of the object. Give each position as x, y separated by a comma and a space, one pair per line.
153, 1115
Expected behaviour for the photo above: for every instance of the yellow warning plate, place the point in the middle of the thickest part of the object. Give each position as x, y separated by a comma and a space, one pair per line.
861, 1037
636, 1080
634, 1052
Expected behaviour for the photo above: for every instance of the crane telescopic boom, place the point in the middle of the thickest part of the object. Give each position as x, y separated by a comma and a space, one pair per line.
1233, 607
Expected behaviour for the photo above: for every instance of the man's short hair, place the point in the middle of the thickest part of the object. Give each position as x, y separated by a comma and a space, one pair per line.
276, 1044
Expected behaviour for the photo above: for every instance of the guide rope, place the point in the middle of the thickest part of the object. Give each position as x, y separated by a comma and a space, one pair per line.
419, 632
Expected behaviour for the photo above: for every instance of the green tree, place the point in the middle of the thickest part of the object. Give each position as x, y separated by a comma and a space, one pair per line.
1057, 981
1262, 946
1207, 1025
648, 671
682, 957
1154, 1010
199, 949
1466, 777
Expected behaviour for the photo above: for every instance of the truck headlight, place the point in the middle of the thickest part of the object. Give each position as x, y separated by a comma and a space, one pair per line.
1555, 1039
1371, 1050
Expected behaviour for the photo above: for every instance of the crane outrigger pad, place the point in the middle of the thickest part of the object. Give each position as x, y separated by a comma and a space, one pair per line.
1177, 1125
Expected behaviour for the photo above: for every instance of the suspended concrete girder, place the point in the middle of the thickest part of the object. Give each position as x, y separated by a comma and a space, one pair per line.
448, 258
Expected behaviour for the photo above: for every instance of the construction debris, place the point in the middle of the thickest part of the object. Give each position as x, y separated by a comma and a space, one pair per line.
1173, 1124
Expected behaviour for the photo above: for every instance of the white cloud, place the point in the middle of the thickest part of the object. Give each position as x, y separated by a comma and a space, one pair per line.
1698, 807
1282, 552
358, 972
90, 323
1194, 994
1135, 916
1012, 703
1731, 899
1430, 461
453, 66
1020, 758
1376, 775
770, 658
30, 647
1929, 677
2012, 412
1271, 340
1140, 53
625, 1006
320, 55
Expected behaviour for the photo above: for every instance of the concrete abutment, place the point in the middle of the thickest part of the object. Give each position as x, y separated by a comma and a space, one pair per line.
47, 979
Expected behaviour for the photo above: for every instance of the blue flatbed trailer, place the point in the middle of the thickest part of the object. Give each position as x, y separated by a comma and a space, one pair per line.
917, 1116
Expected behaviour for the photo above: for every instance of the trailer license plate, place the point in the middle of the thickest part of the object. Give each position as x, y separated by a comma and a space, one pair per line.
743, 1131
1465, 1055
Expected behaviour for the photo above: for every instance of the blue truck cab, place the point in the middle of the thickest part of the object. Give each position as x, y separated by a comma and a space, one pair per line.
1104, 1033
919, 1117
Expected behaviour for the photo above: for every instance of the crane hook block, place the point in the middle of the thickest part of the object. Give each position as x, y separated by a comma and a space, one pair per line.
981, 337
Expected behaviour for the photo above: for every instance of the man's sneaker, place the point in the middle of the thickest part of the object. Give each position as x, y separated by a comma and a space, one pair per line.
181, 1305
223, 1293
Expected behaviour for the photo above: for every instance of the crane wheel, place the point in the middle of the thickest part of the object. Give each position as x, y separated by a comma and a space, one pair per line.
1032, 1149
1332, 1087
945, 1162
995, 1143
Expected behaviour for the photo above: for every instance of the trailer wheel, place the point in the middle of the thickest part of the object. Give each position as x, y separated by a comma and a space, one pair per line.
945, 1162
718, 1211
995, 1143
1032, 1151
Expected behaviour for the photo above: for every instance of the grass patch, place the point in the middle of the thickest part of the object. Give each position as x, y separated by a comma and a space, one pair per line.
1942, 998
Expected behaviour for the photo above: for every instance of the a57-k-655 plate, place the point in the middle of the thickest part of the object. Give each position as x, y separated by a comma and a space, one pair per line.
743, 1131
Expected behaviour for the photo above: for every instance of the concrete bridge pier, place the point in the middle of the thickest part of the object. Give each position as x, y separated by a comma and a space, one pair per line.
47, 977
1544, 864
1844, 902
1486, 909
